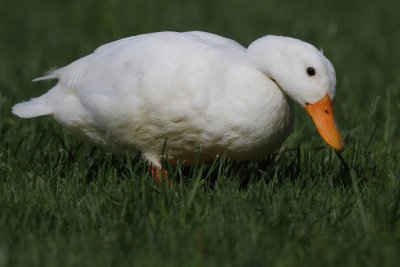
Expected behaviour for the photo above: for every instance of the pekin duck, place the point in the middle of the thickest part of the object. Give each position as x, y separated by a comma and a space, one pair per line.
191, 94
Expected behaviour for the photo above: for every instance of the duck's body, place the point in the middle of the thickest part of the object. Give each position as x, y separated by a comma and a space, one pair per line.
184, 94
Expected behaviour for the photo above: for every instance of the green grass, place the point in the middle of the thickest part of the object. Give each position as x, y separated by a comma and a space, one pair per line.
64, 203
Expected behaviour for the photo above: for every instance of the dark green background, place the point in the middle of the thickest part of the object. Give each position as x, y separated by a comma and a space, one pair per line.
64, 204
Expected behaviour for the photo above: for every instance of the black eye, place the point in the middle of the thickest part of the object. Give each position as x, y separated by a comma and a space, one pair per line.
310, 71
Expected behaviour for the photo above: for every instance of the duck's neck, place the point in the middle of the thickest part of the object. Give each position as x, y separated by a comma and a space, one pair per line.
266, 55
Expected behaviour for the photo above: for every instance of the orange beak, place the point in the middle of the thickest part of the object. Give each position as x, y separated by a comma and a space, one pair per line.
321, 113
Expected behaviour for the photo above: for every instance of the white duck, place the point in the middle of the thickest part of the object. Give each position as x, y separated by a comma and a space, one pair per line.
194, 93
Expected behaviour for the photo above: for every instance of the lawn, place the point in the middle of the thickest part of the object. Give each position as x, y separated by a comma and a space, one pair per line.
66, 203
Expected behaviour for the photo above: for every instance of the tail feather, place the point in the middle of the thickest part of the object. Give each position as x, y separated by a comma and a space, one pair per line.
38, 106
51, 76
33, 108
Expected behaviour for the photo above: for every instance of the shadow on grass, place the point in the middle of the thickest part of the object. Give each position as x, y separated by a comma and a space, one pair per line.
297, 165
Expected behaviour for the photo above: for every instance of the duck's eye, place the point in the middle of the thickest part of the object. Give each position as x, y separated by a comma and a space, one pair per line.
310, 71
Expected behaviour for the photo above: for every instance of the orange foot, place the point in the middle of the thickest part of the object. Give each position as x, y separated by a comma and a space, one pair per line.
159, 175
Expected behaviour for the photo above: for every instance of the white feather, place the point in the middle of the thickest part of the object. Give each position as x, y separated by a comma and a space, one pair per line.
32, 108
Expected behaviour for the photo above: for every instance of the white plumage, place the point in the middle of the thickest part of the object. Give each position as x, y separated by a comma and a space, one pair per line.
192, 92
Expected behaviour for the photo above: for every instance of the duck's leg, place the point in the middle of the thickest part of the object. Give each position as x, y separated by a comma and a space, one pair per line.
159, 175
158, 172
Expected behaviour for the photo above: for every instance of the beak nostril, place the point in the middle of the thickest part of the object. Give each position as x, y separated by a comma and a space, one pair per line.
321, 113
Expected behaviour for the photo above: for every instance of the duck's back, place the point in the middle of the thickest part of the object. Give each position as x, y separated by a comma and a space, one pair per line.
147, 67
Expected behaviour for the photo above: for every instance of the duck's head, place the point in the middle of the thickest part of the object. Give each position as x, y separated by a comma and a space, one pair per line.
304, 74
